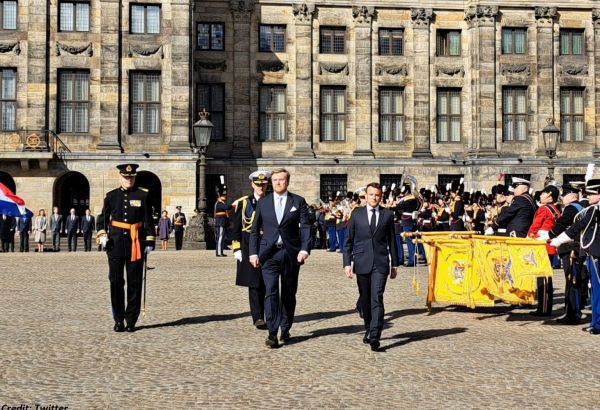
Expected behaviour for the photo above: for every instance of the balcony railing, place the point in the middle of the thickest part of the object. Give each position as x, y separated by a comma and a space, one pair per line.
33, 141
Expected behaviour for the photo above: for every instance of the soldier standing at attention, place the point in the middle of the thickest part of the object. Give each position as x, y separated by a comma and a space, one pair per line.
221, 220
179, 223
126, 229
247, 275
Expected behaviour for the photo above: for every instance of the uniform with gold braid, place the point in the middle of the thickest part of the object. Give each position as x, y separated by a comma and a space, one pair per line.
127, 220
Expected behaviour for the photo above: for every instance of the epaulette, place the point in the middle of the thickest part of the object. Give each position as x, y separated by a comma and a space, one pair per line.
143, 189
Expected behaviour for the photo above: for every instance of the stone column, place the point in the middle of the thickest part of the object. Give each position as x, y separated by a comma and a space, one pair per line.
303, 16
37, 49
596, 20
545, 71
363, 17
421, 19
109, 77
482, 63
242, 134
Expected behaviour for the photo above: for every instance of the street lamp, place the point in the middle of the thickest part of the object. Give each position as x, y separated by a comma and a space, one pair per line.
196, 232
551, 135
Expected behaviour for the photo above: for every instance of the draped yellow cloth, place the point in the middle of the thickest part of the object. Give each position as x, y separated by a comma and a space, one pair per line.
473, 270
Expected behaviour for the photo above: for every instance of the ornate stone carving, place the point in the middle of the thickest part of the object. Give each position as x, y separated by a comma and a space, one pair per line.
363, 14
211, 65
271, 66
7, 48
596, 17
333, 68
545, 14
303, 13
145, 52
454, 71
241, 9
515, 69
421, 17
569, 69
481, 15
391, 70
74, 50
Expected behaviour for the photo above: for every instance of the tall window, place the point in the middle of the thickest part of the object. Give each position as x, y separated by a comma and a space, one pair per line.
74, 16
8, 14
145, 19
448, 43
391, 41
272, 113
448, 115
145, 102
272, 38
391, 114
514, 114
571, 42
514, 40
331, 184
8, 99
211, 36
212, 98
73, 105
333, 113
571, 114
333, 40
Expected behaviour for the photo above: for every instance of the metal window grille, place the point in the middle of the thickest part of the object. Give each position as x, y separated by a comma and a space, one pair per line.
333, 40
8, 99
388, 180
272, 38
331, 184
571, 114
391, 114
391, 41
448, 43
333, 114
73, 108
272, 113
8, 14
145, 103
514, 114
210, 36
445, 179
145, 19
448, 115
212, 98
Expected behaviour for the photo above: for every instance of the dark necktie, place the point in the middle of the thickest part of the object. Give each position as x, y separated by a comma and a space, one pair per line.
373, 220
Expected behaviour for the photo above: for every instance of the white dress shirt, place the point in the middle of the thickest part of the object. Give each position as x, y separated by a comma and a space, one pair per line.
370, 214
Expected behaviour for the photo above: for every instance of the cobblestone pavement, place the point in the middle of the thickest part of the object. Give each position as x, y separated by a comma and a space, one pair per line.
198, 348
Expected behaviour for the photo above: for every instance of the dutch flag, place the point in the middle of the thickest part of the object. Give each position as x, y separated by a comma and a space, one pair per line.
12, 205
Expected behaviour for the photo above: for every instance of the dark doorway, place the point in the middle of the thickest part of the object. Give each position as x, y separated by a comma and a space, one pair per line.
151, 182
8, 181
72, 190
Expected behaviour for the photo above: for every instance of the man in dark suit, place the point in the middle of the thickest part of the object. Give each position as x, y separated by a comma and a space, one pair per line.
6, 231
179, 223
88, 225
280, 243
72, 229
24, 227
369, 243
56, 227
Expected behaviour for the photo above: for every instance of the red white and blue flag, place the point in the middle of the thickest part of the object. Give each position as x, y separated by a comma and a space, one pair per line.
10, 204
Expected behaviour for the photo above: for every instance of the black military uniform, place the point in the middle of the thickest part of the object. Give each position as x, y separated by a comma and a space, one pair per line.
127, 217
179, 223
518, 216
221, 216
408, 208
247, 275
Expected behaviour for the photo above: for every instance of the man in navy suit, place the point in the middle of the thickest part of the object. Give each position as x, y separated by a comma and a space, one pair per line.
370, 241
280, 243
72, 229
88, 225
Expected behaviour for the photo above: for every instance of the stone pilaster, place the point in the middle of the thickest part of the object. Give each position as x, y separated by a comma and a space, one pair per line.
596, 20
303, 17
545, 70
363, 18
421, 19
36, 66
482, 62
242, 15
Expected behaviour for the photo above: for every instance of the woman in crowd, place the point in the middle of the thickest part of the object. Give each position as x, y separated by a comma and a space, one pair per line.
164, 229
40, 225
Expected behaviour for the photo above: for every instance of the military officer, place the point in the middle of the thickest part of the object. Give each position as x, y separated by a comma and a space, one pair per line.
179, 223
518, 216
247, 275
221, 220
125, 229
408, 208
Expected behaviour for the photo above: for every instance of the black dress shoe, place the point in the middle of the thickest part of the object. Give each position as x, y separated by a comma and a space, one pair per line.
223, 254
119, 327
565, 320
594, 331
272, 341
586, 329
260, 324
285, 337
410, 265
366, 339
540, 314
131, 328
374, 345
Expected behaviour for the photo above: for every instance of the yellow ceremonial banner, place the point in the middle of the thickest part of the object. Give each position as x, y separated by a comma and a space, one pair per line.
480, 269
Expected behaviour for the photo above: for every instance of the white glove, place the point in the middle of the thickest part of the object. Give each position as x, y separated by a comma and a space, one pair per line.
542, 235
560, 240
489, 231
238, 255
103, 240
148, 249
447, 209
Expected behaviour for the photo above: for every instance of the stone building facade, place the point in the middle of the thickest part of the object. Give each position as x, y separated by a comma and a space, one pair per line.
340, 93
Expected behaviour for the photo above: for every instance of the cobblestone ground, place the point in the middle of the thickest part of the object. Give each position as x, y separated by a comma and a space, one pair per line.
197, 346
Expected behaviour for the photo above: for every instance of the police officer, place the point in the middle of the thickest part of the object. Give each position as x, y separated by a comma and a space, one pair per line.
179, 223
585, 227
518, 216
221, 219
125, 228
247, 275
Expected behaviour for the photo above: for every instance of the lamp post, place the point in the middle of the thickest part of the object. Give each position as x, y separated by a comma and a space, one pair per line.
551, 135
196, 232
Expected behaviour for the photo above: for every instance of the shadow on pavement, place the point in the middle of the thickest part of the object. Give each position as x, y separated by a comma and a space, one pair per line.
307, 317
197, 320
421, 335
